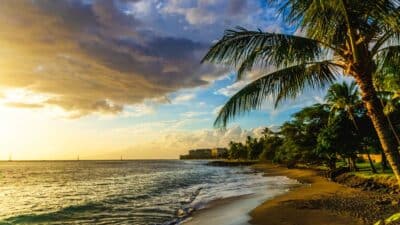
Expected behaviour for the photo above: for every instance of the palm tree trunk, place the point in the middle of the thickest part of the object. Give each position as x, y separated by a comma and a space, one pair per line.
393, 129
391, 125
375, 112
353, 120
354, 163
373, 169
384, 162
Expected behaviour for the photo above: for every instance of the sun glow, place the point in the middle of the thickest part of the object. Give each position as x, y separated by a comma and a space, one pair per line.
29, 129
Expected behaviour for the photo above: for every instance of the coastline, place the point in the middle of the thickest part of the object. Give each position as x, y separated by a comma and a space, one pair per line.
236, 210
317, 202
293, 208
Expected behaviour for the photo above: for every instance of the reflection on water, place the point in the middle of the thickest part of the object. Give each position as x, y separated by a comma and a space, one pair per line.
117, 192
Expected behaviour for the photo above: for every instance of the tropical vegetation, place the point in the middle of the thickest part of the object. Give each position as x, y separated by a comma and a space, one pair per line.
359, 39
335, 132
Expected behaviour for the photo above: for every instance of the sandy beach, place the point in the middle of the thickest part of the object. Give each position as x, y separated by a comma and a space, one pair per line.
317, 202
283, 209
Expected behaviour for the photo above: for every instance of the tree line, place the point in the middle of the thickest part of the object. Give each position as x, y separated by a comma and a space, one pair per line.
339, 129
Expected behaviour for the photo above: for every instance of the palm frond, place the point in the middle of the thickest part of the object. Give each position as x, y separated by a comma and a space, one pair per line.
337, 21
281, 84
321, 20
245, 49
386, 13
387, 39
343, 97
388, 60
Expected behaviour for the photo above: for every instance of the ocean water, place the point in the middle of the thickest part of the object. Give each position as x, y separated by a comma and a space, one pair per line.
120, 192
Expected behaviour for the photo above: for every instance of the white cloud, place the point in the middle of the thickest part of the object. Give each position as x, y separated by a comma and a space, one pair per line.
238, 85
231, 89
193, 114
171, 144
195, 13
183, 98
217, 109
165, 139
139, 110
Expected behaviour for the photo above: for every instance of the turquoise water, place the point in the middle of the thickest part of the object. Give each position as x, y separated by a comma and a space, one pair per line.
117, 192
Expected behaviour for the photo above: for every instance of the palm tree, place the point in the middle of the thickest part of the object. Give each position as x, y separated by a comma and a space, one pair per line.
344, 97
267, 132
356, 38
387, 83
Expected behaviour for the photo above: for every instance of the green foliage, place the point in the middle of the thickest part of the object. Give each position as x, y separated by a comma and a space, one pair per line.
271, 145
281, 84
344, 98
336, 33
338, 138
360, 39
237, 151
300, 135
391, 220
318, 134
254, 147
244, 49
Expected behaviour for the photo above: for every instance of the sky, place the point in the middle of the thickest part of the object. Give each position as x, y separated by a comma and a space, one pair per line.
110, 78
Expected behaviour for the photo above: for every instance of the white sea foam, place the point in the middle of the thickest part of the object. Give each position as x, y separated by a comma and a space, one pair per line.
123, 192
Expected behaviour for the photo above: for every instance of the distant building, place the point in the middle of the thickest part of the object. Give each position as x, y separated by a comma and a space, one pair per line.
206, 153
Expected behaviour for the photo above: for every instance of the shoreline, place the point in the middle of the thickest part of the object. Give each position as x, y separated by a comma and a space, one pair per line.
323, 202
318, 202
295, 207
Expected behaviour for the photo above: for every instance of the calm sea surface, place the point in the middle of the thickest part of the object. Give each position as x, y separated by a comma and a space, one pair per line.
119, 192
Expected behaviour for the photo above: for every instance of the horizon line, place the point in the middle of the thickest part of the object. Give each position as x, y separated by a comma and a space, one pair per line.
74, 160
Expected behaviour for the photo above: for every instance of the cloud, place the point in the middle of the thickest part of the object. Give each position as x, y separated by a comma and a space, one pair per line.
192, 11
183, 98
102, 56
23, 105
172, 143
93, 56
239, 84
207, 138
206, 12
231, 89
217, 109
139, 110
193, 114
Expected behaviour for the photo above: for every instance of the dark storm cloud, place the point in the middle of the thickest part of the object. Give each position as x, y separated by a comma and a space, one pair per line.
92, 56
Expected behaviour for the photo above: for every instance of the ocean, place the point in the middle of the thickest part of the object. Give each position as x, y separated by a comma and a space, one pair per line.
145, 192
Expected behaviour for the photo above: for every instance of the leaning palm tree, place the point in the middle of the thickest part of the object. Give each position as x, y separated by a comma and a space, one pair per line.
344, 97
340, 37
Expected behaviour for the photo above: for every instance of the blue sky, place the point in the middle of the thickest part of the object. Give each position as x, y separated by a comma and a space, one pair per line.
123, 77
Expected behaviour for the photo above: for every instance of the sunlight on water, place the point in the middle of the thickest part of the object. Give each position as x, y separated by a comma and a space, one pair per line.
118, 192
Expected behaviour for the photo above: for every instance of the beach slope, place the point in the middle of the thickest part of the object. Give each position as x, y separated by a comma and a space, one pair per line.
292, 208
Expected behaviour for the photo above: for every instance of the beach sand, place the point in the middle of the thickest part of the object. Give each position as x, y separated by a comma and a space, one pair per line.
290, 208
230, 211
317, 202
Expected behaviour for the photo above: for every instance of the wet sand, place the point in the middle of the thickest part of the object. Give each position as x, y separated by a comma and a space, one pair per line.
231, 211
289, 209
317, 202
234, 210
